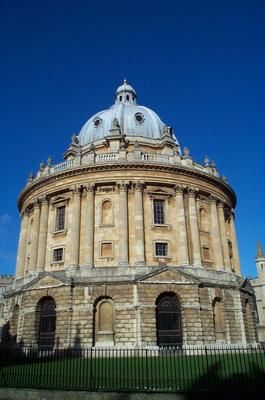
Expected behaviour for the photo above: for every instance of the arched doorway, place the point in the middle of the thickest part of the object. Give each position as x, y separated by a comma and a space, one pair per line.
46, 311
168, 320
104, 322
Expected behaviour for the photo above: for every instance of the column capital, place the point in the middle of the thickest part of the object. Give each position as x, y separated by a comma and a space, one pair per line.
76, 190
36, 204
89, 188
179, 189
44, 199
138, 186
213, 199
192, 191
123, 186
25, 212
220, 204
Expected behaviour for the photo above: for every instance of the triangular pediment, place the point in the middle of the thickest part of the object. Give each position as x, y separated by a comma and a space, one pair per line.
159, 192
246, 286
44, 280
168, 275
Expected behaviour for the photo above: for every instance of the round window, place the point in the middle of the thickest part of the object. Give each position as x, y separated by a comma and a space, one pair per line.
139, 118
97, 121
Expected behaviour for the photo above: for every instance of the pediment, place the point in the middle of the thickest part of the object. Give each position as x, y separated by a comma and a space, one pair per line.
159, 192
45, 280
59, 199
246, 286
168, 275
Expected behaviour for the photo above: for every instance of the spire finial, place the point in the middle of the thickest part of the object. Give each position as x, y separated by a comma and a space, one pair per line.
125, 81
260, 252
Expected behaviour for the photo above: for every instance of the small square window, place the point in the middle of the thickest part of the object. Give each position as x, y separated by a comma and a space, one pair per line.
58, 255
106, 250
161, 249
159, 211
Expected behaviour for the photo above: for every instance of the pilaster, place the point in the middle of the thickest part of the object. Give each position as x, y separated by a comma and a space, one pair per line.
183, 254
43, 233
22, 244
123, 224
194, 228
216, 234
139, 224
34, 237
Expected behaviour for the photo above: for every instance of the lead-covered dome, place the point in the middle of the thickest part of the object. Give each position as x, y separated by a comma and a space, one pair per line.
133, 119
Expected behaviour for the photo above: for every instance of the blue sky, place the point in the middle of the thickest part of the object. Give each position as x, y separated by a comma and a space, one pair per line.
198, 64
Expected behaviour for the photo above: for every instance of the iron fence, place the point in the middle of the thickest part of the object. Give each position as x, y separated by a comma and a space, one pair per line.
205, 369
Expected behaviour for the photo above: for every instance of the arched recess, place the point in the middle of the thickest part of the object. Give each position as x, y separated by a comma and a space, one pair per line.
106, 212
218, 319
46, 322
104, 322
168, 320
14, 322
248, 321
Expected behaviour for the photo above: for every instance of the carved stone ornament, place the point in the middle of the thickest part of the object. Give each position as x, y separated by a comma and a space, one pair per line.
179, 189
123, 186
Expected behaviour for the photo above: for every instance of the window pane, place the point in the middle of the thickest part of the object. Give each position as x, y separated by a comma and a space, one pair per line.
159, 215
58, 254
60, 218
161, 249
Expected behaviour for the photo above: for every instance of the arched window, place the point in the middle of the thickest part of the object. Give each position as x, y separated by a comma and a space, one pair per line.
106, 213
104, 317
218, 319
168, 320
46, 322
127, 97
204, 221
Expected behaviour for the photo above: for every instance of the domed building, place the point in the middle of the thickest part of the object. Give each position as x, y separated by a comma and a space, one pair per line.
129, 243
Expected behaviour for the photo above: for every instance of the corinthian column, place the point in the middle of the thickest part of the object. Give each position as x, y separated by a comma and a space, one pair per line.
22, 244
139, 224
194, 229
75, 227
123, 225
223, 234
43, 234
183, 254
88, 237
216, 234
34, 237
234, 244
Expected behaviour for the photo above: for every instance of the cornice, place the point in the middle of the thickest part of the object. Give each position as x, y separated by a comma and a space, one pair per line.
119, 166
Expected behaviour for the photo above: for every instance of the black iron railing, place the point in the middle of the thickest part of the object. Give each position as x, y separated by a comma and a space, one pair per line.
183, 369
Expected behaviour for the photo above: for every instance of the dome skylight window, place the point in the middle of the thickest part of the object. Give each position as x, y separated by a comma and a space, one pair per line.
139, 117
97, 121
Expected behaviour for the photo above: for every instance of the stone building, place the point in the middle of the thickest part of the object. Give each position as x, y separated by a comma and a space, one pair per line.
128, 242
5, 285
258, 285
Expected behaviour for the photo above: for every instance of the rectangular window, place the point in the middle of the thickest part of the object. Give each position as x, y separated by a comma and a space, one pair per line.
161, 249
58, 255
159, 211
106, 249
60, 218
206, 253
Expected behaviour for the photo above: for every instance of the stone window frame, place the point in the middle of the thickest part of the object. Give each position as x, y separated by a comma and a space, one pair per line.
59, 262
165, 197
101, 224
167, 242
57, 203
206, 246
100, 249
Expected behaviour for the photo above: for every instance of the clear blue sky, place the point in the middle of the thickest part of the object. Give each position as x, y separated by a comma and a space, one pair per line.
199, 64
